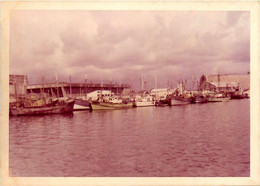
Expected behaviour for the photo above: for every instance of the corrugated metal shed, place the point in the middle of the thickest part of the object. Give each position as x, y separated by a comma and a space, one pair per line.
243, 80
225, 84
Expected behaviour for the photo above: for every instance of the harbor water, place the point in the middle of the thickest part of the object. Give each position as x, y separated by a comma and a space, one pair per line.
195, 140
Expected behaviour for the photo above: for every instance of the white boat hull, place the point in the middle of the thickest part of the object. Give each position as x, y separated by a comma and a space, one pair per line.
79, 107
108, 106
175, 102
144, 104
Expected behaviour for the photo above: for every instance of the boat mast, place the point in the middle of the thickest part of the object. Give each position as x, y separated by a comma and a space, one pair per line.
192, 82
42, 87
43, 96
110, 94
85, 84
116, 88
70, 87
101, 85
218, 80
120, 84
15, 88
155, 79
142, 83
132, 85
56, 75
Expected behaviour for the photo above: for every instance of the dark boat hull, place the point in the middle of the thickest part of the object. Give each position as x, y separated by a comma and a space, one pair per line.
238, 97
216, 99
65, 107
81, 105
162, 103
201, 99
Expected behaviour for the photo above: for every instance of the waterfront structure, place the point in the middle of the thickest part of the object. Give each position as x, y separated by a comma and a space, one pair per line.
64, 89
225, 82
17, 86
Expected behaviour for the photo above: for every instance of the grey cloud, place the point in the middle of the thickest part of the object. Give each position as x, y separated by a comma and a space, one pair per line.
233, 17
45, 48
126, 45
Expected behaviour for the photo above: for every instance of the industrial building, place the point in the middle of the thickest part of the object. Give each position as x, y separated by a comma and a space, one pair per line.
225, 82
64, 89
17, 86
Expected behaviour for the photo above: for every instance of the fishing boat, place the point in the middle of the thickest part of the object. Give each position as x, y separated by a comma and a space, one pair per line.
180, 96
218, 98
238, 95
174, 101
115, 100
247, 94
201, 99
192, 99
96, 105
53, 107
110, 103
81, 104
145, 101
162, 103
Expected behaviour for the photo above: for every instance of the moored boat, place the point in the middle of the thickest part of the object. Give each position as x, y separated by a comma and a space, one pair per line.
55, 107
238, 95
247, 94
81, 104
162, 103
145, 101
218, 98
176, 102
109, 105
201, 99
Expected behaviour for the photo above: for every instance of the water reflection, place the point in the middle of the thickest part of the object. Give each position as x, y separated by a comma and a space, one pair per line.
190, 140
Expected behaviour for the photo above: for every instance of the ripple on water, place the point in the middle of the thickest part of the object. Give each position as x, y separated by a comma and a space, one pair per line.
191, 140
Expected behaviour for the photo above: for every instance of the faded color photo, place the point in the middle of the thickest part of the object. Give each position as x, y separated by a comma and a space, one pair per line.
129, 93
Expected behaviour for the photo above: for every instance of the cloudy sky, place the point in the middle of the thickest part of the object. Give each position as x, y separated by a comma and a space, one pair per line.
124, 46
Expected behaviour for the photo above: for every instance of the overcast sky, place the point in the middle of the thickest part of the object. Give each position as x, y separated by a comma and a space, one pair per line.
124, 46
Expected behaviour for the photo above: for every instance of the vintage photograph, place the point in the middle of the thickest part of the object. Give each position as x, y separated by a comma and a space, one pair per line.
144, 93
97, 93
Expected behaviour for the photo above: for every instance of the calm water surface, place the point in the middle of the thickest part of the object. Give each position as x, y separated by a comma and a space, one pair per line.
210, 139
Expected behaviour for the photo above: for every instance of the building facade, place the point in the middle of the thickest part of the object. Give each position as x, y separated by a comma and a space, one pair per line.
63, 89
17, 86
225, 82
